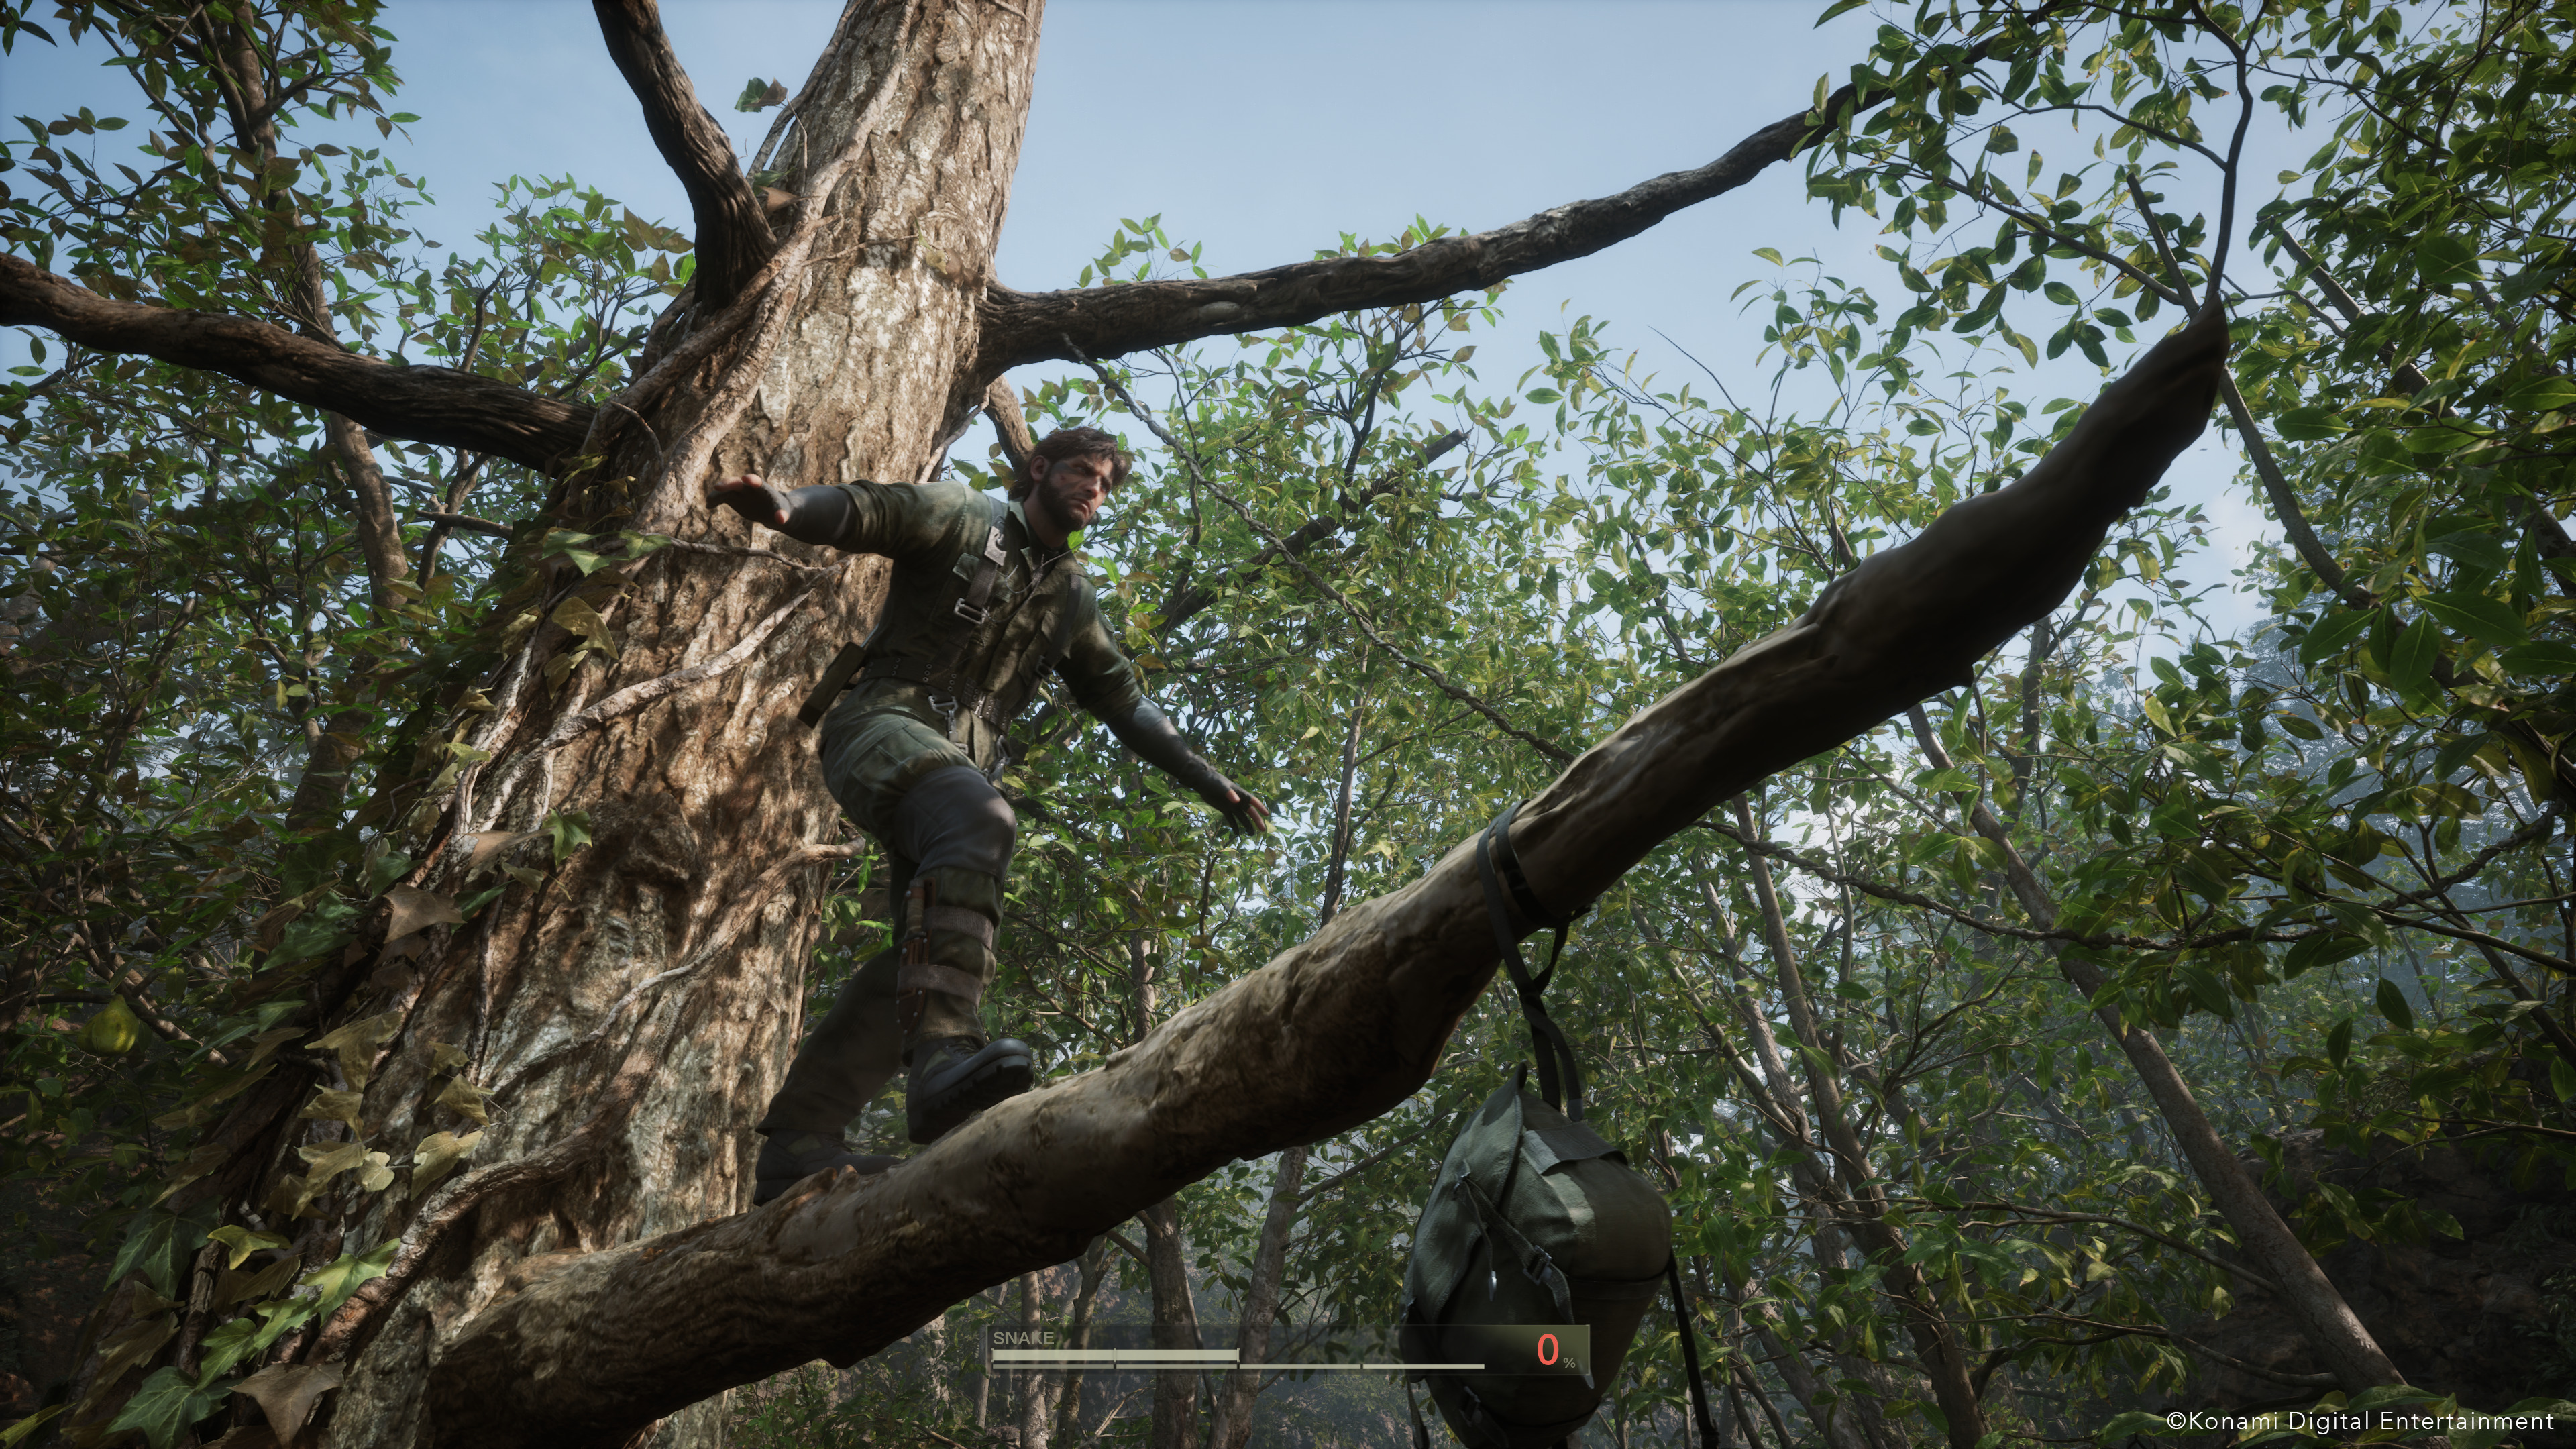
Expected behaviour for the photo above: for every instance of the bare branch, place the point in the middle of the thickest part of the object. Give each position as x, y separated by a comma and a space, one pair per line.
733, 232
1099, 322
425, 404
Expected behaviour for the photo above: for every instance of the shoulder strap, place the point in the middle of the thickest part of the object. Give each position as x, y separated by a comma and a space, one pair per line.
976, 591
1496, 863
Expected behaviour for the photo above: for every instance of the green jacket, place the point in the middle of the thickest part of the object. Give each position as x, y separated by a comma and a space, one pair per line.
1043, 613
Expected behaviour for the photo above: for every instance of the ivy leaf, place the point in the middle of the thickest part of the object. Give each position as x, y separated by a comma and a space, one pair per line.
570, 830
157, 1243
286, 1394
465, 1100
243, 1242
416, 910
137, 1343
577, 615
166, 1405
357, 1042
326, 1106
343, 1276
224, 1347
438, 1155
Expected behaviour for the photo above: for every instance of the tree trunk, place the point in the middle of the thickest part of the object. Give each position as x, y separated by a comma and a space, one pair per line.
1231, 1424
1176, 1326
633, 1011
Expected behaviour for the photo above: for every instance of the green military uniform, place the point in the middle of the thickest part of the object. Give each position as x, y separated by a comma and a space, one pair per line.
897, 725
977, 614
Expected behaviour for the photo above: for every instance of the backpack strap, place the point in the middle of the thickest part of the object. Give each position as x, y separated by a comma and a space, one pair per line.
979, 565
1559, 1080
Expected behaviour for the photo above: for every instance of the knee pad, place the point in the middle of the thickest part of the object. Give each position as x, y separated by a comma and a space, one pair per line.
954, 819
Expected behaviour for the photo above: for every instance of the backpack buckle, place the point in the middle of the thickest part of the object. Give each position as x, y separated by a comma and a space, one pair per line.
972, 614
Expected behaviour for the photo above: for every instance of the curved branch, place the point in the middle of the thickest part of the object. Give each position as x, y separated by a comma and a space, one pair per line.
733, 233
434, 405
1097, 322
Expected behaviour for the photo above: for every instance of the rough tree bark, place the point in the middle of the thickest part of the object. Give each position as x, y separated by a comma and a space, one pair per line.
630, 1010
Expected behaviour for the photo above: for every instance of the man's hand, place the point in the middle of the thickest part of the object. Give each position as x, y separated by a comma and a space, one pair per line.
1241, 808
751, 497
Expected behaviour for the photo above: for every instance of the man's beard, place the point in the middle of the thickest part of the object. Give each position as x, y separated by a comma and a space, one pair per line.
1059, 512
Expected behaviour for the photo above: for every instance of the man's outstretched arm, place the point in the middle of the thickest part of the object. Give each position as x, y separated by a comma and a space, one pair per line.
1151, 734
807, 515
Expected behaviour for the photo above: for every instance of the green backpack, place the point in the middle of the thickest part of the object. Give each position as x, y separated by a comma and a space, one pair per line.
1535, 1225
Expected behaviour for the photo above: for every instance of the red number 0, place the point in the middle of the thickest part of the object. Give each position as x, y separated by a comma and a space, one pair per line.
1547, 1349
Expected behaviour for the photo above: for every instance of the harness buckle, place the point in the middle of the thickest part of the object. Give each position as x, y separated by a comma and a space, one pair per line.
945, 707
972, 614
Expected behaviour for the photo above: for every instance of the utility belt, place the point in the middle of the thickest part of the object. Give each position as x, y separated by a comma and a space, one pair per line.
957, 697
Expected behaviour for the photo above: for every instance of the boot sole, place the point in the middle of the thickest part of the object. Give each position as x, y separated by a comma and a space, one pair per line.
998, 1080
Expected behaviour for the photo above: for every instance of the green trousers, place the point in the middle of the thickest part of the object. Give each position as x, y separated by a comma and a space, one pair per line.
925, 798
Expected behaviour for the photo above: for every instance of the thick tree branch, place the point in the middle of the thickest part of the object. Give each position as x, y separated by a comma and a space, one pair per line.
425, 404
1333, 1032
1096, 322
733, 232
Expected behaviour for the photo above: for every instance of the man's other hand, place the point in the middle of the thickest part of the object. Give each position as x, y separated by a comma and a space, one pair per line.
1241, 808
753, 498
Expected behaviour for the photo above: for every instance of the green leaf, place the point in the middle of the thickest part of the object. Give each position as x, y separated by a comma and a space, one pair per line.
2411, 670
2392, 1004
243, 1241
18, 1432
2544, 658
2446, 261
2331, 635
1837, 8
570, 831
2489, 621
157, 1245
224, 1347
2549, 394
2310, 424
2318, 951
2339, 1041
2562, 1078
166, 1405
343, 1277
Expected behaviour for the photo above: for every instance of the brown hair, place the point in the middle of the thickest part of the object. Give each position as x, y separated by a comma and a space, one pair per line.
1078, 442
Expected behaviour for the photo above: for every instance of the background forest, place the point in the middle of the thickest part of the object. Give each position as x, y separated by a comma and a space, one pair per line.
2324, 859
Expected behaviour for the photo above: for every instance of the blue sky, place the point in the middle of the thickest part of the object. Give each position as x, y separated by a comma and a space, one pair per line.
1262, 128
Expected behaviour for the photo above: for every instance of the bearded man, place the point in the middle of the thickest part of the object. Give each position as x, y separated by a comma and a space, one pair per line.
986, 600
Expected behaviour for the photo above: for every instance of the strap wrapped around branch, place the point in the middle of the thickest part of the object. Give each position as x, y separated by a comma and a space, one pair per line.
1559, 1080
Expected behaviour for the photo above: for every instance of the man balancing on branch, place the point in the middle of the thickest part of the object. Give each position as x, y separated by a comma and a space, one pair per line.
985, 599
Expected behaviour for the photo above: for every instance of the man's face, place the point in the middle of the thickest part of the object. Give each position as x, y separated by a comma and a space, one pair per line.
1069, 493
